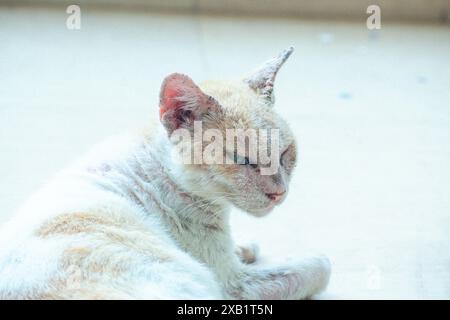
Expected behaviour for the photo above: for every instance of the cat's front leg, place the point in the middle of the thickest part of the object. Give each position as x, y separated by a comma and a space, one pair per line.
297, 280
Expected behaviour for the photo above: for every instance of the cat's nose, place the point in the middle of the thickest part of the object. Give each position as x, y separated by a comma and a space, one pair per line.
275, 197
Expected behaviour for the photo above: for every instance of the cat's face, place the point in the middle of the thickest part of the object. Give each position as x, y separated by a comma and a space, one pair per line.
254, 181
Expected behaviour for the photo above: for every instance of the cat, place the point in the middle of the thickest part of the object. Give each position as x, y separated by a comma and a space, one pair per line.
130, 221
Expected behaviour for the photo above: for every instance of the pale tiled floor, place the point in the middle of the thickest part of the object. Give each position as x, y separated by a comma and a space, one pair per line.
371, 112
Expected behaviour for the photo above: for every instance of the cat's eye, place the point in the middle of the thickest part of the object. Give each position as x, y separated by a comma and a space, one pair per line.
245, 161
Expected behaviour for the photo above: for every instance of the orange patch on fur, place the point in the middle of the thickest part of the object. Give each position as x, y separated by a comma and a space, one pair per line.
73, 223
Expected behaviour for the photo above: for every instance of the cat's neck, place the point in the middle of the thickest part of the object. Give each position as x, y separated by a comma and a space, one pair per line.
159, 185
163, 191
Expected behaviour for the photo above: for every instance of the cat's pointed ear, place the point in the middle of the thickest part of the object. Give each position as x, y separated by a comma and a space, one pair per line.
182, 102
262, 79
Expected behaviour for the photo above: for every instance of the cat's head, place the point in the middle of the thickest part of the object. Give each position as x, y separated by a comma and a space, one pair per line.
252, 174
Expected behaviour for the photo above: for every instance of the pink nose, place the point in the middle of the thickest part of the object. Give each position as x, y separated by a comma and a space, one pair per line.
275, 197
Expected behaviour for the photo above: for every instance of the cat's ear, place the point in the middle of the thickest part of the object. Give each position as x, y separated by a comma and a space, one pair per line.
262, 79
182, 102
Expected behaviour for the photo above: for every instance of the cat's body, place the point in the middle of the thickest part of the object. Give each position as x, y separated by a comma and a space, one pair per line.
128, 221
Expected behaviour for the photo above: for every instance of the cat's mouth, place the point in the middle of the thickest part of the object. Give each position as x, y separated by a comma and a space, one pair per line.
275, 199
260, 212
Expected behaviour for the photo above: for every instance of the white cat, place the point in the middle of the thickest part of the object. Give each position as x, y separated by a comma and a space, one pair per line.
129, 221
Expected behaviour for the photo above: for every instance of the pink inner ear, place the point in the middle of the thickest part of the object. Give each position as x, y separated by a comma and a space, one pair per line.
168, 100
174, 88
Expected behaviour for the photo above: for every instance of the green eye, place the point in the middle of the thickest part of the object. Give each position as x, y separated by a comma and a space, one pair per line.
253, 165
243, 161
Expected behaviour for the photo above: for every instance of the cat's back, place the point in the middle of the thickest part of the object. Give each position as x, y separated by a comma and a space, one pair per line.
45, 241
77, 188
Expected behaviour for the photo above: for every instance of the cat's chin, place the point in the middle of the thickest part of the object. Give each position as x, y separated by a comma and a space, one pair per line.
261, 212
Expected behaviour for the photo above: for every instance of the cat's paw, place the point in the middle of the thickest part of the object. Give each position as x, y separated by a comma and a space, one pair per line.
323, 272
307, 277
316, 271
248, 254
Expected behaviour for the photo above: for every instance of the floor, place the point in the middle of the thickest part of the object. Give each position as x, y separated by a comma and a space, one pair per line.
370, 109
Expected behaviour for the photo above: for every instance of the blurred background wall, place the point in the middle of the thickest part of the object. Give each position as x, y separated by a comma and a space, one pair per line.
406, 10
